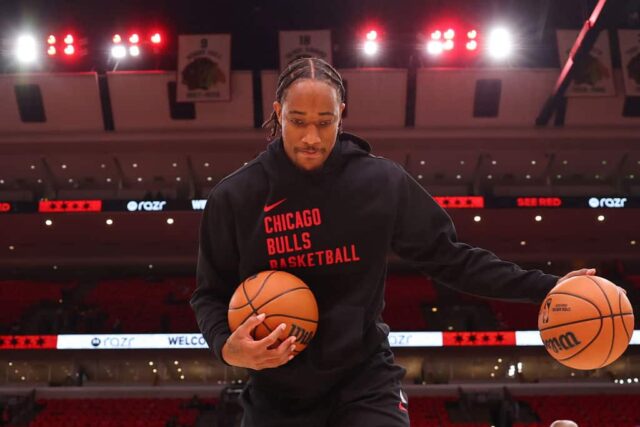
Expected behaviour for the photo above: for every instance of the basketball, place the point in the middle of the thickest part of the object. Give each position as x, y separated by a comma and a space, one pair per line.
586, 322
284, 298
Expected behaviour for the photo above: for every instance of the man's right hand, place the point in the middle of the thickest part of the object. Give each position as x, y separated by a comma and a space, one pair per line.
243, 351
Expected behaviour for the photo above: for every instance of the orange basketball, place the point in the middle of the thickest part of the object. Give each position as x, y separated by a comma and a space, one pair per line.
284, 298
586, 322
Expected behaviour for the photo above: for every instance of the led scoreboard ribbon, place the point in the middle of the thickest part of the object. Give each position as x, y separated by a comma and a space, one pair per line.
447, 202
196, 341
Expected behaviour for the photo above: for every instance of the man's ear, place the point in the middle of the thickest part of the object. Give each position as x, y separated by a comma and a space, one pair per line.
277, 107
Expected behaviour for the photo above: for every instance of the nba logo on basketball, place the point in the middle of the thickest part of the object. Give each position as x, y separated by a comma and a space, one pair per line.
545, 312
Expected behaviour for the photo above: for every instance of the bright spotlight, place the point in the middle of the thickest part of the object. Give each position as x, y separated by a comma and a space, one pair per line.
156, 38
371, 47
117, 38
449, 34
119, 51
68, 39
499, 43
134, 38
434, 47
26, 49
51, 50
448, 44
472, 45
436, 35
134, 51
372, 35
69, 50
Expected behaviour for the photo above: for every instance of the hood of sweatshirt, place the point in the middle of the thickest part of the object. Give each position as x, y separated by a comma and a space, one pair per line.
279, 167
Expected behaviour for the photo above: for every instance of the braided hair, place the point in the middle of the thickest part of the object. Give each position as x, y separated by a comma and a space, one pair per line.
304, 68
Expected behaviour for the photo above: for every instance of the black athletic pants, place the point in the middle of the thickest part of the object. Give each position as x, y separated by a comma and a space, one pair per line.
371, 397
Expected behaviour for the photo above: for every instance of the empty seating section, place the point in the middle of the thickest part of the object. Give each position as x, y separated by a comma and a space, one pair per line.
586, 411
515, 316
143, 412
114, 413
16, 296
138, 305
404, 297
427, 411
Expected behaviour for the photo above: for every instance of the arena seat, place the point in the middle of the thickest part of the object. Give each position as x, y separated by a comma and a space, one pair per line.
586, 411
166, 304
516, 316
17, 296
404, 297
113, 413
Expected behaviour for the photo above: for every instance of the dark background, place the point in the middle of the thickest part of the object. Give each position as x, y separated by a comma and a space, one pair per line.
254, 24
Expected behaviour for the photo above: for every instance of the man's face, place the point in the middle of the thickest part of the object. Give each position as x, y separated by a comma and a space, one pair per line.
309, 117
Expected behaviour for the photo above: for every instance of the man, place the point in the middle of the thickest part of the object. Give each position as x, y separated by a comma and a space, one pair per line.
364, 206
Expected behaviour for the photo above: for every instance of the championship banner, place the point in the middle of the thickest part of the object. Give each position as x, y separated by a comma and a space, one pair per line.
595, 76
204, 68
294, 44
629, 41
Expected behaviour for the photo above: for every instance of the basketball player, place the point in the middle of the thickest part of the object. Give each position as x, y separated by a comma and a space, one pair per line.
318, 204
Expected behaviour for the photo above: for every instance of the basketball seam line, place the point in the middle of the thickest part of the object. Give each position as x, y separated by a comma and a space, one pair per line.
246, 295
586, 346
284, 315
255, 310
579, 297
586, 320
292, 317
267, 302
613, 323
249, 301
599, 329
620, 309
279, 295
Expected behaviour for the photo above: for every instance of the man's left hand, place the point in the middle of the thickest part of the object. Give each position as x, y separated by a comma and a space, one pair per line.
581, 272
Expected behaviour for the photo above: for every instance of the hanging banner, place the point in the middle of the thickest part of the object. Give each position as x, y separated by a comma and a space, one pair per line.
204, 68
294, 44
629, 41
595, 76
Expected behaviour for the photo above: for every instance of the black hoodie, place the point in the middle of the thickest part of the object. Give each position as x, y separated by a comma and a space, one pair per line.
334, 229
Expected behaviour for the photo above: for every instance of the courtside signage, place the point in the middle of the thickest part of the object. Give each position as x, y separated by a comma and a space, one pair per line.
130, 341
197, 341
59, 207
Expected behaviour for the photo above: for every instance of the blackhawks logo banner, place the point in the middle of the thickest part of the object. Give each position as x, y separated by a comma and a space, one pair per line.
595, 76
630, 60
204, 68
